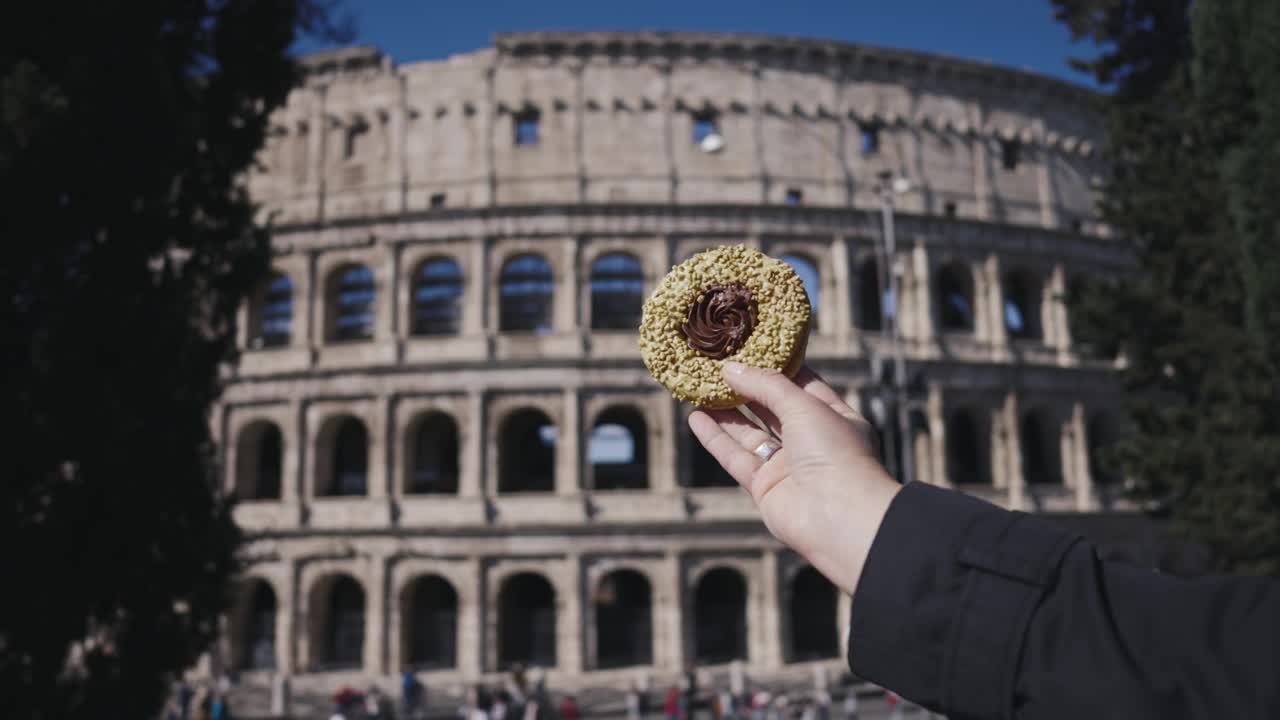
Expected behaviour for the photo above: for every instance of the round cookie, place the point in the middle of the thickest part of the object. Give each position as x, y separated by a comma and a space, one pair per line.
728, 303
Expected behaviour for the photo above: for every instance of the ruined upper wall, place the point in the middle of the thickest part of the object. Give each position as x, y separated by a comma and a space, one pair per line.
615, 114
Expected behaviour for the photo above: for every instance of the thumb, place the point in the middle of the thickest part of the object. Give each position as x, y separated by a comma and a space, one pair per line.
772, 389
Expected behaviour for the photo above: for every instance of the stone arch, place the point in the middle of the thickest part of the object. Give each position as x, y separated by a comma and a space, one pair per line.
271, 313
618, 450
342, 457
623, 601
350, 295
968, 449
431, 455
254, 620
1023, 296
526, 621
337, 630
527, 452
955, 297
526, 286
259, 461
617, 291
811, 613
869, 307
429, 617
720, 616
1039, 444
436, 300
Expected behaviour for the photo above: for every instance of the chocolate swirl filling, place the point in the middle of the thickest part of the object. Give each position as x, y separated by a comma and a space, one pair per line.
720, 320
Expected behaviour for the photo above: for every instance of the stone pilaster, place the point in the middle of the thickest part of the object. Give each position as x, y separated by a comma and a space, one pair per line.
669, 614
839, 306
569, 445
765, 627
472, 444
1013, 451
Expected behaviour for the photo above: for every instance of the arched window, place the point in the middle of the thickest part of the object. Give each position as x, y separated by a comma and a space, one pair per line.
720, 617
524, 295
259, 462
352, 304
624, 620
527, 453
618, 451
433, 453
813, 617
1039, 450
258, 641
350, 458
1022, 306
808, 272
704, 471
617, 292
870, 310
437, 295
967, 450
955, 298
344, 627
527, 621
431, 613
272, 324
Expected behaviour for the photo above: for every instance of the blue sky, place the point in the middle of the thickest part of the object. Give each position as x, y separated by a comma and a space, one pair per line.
1015, 33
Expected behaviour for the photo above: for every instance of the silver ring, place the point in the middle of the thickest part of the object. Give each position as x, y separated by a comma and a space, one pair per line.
766, 450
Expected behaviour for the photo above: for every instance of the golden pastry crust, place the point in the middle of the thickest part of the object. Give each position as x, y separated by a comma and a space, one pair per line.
777, 341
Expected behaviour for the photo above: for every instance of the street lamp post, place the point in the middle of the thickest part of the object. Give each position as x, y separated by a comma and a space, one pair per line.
889, 186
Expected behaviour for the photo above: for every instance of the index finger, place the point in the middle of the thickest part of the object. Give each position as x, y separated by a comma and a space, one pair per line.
813, 384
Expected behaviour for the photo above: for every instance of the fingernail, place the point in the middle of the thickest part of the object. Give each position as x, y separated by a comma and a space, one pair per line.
734, 368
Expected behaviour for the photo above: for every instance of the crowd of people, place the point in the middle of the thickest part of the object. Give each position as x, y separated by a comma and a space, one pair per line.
523, 695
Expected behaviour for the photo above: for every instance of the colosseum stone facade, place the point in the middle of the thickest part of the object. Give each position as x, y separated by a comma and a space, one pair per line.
448, 455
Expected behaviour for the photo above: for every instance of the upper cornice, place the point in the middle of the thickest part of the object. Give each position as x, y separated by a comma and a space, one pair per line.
774, 50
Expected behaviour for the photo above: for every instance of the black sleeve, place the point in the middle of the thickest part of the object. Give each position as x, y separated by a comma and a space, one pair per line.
978, 612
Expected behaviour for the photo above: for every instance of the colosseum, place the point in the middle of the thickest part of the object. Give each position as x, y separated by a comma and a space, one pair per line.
448, 456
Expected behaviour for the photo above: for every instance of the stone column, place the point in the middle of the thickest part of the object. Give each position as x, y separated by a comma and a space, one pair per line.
295, 488
1013, 453
665, 436
397, 178
471, 614
475, 293
1079, 452
669, 615
994, 302
488, 121
765, 634
937, 436
376, 628
313, 305
568, 444
981, 161
836, 310
844, 606
316, 149
565, 318
922, 292
386, 284
288, 622
668, 130
472, 448
1057, 301
570, 616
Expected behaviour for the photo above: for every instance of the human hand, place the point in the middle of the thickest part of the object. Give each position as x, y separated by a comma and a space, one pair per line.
824, 492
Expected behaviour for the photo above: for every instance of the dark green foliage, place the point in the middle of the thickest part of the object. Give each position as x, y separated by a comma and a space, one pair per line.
1193, 121
128, 245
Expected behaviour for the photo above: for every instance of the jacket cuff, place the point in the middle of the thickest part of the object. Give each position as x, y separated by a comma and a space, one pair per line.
945, 598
